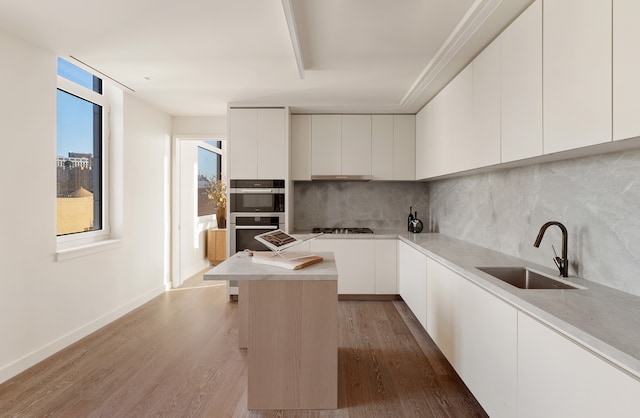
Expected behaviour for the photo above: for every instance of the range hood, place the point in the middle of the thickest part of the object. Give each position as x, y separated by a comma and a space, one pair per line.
339, 177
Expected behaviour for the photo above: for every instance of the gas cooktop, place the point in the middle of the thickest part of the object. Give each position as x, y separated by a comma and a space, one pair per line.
342, 230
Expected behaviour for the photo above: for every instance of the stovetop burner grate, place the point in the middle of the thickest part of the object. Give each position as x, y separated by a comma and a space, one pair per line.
340, 230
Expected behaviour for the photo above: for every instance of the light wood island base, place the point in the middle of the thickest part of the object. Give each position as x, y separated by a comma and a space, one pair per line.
293, 344
288, 322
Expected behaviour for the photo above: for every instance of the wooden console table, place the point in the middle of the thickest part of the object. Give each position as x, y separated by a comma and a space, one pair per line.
216, 245
289, 325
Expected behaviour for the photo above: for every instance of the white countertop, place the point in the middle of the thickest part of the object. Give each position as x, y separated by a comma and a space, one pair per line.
240, 267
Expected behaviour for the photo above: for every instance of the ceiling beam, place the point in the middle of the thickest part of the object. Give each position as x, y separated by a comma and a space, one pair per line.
293, 34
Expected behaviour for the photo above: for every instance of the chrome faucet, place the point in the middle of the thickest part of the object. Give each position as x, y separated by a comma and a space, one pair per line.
561, 263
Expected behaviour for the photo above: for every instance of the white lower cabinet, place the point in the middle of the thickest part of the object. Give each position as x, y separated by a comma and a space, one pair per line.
477, 333
355, 262
488, 349
386, 278
559, 378
365, 266
514, 365
442, 316
412, 280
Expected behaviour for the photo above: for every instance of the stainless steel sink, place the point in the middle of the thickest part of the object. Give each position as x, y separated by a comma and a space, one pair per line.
524, 278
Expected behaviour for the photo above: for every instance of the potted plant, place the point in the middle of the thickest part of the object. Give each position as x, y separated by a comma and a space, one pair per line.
217, 191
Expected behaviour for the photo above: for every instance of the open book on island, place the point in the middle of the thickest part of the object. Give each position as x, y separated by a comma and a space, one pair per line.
277, 241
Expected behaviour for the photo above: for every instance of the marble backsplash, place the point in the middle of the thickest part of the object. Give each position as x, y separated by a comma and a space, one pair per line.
376, 205
597, 198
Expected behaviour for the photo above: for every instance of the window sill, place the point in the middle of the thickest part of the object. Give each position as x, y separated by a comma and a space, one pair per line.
82, 250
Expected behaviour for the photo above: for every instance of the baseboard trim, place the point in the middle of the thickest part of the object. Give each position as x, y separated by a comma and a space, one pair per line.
369, 297
18, 366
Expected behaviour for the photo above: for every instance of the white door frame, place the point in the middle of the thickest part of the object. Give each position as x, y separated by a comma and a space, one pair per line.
176, 164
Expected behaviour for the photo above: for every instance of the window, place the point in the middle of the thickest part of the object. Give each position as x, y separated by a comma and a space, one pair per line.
209, 171
81, 109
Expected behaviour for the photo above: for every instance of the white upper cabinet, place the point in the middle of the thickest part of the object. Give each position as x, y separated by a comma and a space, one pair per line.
404, 147
521, 86
382, 161
273, 160
380, 146
326, 145
393, 142
483, 147
446, 129
458, 131
300, 147
242, 146
626, 69
356, 145
425, 142
577, 73
258, 143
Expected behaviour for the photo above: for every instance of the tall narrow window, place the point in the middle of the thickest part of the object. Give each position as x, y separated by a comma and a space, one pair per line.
80, 130
209, 171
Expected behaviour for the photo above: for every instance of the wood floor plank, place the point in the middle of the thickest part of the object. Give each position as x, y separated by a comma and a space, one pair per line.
178, 356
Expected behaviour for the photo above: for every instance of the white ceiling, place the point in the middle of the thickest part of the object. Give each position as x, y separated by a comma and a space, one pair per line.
372, 56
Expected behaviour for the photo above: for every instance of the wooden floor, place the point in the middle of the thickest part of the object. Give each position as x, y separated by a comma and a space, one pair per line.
177, 356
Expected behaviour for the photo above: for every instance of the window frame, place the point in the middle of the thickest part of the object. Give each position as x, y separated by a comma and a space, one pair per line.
85, 238
208, 147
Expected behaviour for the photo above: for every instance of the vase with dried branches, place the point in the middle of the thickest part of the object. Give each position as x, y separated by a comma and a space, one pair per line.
217, 192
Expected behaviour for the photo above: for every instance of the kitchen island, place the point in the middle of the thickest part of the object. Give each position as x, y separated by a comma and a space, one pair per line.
289, 325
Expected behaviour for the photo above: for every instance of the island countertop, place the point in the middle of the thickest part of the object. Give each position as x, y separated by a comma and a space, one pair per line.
240, 267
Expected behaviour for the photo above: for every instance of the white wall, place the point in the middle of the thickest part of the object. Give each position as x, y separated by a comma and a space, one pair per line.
46, 305
200, 126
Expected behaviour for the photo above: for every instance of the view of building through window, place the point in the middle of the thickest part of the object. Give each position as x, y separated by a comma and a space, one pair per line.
209, 170
79, 151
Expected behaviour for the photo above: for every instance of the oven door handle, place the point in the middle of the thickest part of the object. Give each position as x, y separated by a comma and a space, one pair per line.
273, 227
268, 191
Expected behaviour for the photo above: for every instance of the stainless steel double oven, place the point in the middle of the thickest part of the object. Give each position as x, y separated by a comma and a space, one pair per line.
255, 207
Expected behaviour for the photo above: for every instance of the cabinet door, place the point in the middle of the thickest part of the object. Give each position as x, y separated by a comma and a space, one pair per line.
558, 378
477, 333
442, 315
449, 126
423, 141
272, 144
300, 147
355, 262
483, 147
404, 147
356, 144
412, 280
576, 73
242, 143
386, 253
521, 87
626, 69
488, 349
326, 145
382, 147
